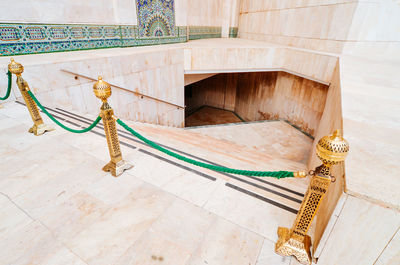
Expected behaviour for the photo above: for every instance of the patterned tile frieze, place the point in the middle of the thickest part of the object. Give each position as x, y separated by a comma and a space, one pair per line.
16, 39
156, 18
203, 32
233, 32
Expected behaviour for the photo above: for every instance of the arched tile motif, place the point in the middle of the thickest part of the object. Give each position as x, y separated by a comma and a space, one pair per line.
156, 18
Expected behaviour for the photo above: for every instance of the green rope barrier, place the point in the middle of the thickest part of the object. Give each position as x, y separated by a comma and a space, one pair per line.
274, 174
9, 87
59, 123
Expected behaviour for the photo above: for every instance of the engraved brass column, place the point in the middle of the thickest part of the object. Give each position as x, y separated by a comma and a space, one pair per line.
39, 127
116, 166
331, 150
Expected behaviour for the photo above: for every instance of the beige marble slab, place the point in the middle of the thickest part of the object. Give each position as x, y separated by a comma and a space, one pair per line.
34, 244
268, 256
188, 185
361, 233
226, 243
37, 164
120, 226
57, 188
276, 138
152, 170
184, 224
248, 212
67, 219
391, 253
12, 217
152, 248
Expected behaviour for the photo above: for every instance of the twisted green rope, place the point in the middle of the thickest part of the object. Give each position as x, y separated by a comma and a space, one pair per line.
9, 87
274, 174
59, 123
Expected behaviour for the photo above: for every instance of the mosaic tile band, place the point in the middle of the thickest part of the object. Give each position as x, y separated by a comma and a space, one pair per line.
233, 32
17, 39
202, 32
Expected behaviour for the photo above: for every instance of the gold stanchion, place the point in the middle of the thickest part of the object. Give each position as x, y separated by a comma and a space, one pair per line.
117, 165
331, 150
39, 127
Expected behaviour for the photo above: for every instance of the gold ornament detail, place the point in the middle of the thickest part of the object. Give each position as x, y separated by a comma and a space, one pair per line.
39, 127
117, 165
295, 242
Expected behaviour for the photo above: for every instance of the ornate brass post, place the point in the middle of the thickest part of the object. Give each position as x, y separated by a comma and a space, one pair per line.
39, 127
116, 166
331, 150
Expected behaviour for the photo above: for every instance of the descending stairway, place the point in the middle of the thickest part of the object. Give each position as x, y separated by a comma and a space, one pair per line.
198, 144
257, 204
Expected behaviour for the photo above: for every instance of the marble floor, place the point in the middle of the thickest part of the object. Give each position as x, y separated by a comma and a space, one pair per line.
58, 207
210, 116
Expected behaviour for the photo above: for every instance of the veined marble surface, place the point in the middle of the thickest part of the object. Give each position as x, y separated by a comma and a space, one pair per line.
58, 207
368, 90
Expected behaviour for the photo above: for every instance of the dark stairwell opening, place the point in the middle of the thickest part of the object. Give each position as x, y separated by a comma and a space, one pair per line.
255, 96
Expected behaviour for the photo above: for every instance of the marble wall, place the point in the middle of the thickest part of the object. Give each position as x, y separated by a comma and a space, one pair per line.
65, 11
305, 24
279, 95
374, 31
211, 14
335, 26
217, 91
157, 74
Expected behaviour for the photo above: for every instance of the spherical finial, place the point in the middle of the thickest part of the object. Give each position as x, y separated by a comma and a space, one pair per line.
332, 149
102, 89
15, 68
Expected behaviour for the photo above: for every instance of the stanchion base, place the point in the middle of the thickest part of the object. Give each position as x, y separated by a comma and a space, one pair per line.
116, 169
40, 129
289, 246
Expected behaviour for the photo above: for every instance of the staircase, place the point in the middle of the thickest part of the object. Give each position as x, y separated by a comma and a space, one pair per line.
55, 185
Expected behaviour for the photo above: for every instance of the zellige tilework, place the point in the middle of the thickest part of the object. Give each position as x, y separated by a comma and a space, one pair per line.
203, 32
233, 32
156, 18
16, 39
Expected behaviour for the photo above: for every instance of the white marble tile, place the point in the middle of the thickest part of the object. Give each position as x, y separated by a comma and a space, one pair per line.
57, 188
69, 218
112, 190
63, 256
184, 224
391, 253
192, 187
361, 233
152, 170
268, 256
249, 212
34, 244
92, 144
120, 226
151, 248
12, 218
36, 165
227, 243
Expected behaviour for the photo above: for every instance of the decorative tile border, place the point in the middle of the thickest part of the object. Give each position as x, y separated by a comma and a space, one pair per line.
17, 39
200, 32
233, 32
156, 18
